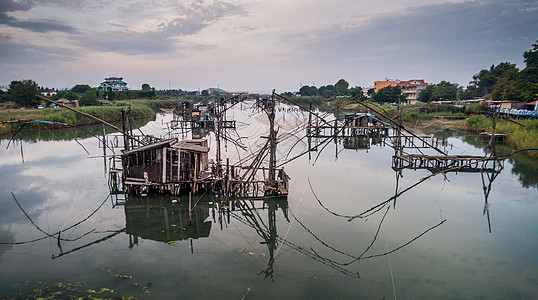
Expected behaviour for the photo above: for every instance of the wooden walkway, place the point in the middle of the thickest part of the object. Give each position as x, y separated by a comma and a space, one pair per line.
463, 163
496, 135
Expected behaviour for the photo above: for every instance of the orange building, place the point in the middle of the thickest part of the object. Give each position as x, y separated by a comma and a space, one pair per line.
410, 88
383, 84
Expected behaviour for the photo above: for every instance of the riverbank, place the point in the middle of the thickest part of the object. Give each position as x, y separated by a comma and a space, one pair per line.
521, 134
10, 119
436, 117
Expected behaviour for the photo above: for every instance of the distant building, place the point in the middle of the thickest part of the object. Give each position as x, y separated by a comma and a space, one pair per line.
217, 91
67, 102
113, 84
49, 92
383, 84
410, 88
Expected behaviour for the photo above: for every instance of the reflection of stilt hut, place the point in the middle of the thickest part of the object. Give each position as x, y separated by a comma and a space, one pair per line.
365, 124
167, 166
357, 142
165, 222
184, 109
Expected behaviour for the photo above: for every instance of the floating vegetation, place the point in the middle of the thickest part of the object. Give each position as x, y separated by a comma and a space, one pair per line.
121, 276
63, 289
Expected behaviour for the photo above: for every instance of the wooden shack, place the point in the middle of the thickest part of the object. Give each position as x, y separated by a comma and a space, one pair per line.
166, 166
363, 120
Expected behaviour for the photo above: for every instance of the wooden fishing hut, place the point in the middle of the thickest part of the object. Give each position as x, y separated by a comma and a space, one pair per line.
168, 166
365, 124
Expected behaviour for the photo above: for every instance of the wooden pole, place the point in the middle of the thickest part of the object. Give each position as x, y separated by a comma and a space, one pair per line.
190, 207
124, 125
272, 141
104, 139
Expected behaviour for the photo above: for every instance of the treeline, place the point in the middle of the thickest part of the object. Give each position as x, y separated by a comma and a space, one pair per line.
500, 82
340, 88
23, 92
174, 93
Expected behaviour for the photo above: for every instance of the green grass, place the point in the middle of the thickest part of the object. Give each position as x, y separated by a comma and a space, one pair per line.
154, 104
62, 115
521, 137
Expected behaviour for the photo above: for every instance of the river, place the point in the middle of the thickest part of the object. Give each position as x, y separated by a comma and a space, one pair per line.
341, 233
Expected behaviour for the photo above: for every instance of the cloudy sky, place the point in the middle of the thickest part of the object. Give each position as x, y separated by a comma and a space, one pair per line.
259, 45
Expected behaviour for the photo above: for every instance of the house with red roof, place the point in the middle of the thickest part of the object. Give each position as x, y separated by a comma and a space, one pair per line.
410, 88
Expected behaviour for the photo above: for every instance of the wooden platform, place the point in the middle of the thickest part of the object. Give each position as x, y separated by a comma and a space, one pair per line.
468, 163
495, 135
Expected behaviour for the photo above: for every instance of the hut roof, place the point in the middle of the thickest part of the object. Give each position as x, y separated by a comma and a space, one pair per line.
192, 145
172, 143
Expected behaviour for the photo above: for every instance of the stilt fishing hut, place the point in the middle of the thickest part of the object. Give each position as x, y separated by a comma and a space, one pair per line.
167, 166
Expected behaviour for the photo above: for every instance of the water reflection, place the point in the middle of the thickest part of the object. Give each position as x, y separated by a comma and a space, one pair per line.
159, 219
41, 132
167, 219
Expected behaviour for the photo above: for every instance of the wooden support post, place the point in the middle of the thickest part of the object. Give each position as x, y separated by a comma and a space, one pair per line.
227, 186
190, 208
124, 120
272, 140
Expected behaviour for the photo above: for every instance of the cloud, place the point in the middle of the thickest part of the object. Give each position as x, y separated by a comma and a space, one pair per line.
126, 42
191, 18
11, 5
41, 25
424, 38
12, 52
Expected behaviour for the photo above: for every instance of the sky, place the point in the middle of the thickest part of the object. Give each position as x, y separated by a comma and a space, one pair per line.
257, 45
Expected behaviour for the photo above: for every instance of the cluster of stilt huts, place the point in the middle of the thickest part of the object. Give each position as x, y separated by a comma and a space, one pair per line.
183, 166
179, 165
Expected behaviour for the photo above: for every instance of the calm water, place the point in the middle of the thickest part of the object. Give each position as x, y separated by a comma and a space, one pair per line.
440, 239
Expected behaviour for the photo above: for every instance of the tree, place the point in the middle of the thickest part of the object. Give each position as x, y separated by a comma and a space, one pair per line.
80, 88
445, 91
426, 94
341, 87
469, 93
69, 95
506, 89
356, 91
205, 93
486, 79
146, 87
328, 93
306, 90
24, 92
531, 60
89, 98
388, 94
4, 96
322, 89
